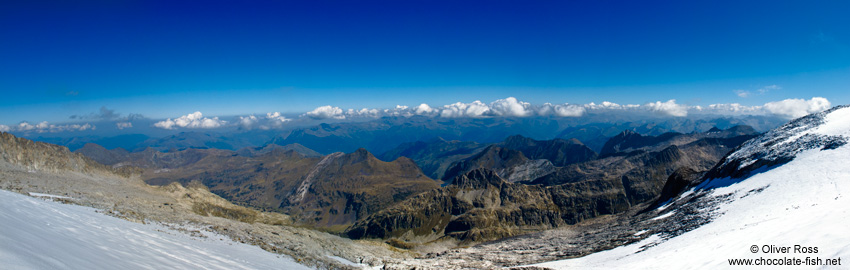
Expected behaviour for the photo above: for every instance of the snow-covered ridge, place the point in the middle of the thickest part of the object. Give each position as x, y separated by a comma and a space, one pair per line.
829, 129
799, 202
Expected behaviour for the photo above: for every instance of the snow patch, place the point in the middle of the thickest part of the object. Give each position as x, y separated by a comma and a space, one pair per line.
666, 215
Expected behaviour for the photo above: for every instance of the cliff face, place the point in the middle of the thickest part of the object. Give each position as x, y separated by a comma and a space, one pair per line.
51, 158
479, 205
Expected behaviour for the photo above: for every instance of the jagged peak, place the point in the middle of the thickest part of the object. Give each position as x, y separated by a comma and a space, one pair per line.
478, 179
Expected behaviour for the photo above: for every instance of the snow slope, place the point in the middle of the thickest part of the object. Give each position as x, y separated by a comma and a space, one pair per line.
800, 200
39, 234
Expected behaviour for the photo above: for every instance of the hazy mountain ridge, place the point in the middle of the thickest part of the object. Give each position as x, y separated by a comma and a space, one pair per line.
435, 156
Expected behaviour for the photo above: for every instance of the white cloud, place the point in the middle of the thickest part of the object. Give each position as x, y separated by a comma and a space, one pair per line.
793, 108
123, 125
44, 126
475, 109
193, 120
365, 112
510, 107
399, 110
247, 122
5, 128
326, 112
276, 117
569, 110
668, 108
561, 110
731, 109
423, 109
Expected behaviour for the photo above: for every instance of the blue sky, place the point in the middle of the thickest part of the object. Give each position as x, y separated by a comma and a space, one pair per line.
170, 58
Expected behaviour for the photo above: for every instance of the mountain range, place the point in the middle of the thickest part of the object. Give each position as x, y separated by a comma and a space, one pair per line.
643, 197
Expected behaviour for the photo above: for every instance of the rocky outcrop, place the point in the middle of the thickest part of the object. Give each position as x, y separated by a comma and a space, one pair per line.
511, 165
680, 180
479, 205
52, 158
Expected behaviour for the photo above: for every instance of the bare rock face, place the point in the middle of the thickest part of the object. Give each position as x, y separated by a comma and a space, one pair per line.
479, 206
51, 158
680, 180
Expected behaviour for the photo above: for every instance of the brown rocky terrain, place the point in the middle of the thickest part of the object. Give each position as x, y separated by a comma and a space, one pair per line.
480, 206
28, 166
329, 192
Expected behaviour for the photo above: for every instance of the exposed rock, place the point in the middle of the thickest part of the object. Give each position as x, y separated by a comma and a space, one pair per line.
38, 156
479, 206
512, 165
681, 179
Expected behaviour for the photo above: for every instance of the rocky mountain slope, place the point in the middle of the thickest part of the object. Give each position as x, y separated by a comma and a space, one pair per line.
644, 166
786, 188
484, 205
479, 205
329, 192
38, 168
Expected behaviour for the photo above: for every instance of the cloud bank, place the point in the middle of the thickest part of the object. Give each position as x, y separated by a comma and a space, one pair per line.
193, 120
326, 112
45, 127
507, 107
